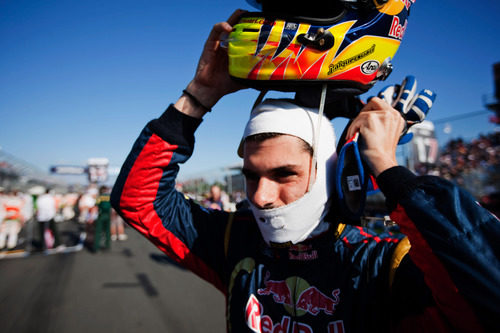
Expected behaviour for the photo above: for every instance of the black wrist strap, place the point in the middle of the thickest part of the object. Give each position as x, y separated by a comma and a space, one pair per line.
196, 101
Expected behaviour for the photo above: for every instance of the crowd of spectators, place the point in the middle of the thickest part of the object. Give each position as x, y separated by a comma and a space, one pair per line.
46, 208
473, 165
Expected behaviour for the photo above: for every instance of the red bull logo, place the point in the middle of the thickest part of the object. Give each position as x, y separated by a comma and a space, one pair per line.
314, 301
279, 289
302, 252
309, 299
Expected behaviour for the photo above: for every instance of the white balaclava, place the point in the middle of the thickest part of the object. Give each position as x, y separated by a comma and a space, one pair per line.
304, 217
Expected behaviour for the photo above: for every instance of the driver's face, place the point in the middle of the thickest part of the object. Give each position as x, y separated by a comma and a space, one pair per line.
276, 171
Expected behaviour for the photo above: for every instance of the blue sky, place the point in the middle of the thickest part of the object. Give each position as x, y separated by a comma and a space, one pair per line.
80, 79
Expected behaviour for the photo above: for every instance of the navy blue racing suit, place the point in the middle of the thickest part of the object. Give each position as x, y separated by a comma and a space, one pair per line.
440, 274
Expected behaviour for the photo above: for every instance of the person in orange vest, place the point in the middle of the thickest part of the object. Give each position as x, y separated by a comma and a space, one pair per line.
12, 220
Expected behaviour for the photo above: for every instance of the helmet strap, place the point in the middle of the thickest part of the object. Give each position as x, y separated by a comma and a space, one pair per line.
259, 98
316, 135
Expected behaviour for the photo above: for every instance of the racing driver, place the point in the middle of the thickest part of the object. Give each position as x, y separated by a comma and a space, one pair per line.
289, 264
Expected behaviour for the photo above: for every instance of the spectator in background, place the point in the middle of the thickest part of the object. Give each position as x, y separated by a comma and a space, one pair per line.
2, 209
117, 227
67, 205
473, 165
28, 209
214, 201
13, 219
45, 214
76, 208
103, 221
86, 202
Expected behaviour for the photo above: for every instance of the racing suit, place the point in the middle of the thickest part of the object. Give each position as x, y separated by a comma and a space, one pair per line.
349, 279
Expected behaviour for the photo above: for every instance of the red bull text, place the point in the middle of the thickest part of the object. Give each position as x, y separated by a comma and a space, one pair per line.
258, 322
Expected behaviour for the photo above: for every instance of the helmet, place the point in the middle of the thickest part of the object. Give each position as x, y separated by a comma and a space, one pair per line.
345, 43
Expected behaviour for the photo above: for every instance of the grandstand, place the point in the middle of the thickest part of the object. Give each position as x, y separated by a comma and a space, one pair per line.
16, 173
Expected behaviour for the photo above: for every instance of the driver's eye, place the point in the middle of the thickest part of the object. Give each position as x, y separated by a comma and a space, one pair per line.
250, 176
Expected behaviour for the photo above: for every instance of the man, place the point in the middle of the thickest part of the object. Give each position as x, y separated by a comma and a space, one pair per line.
214, 201
289, 264
86, 203
12, 219
45, 214
103, 220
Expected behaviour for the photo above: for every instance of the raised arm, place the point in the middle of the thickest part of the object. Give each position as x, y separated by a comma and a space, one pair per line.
211, 81
144, 193
454, 241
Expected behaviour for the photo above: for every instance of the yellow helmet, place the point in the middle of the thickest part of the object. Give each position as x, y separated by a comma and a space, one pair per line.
345, 43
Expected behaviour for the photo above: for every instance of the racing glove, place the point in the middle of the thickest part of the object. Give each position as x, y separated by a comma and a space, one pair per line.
412, 106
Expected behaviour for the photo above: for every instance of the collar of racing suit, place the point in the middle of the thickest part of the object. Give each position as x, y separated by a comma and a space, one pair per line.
308, 250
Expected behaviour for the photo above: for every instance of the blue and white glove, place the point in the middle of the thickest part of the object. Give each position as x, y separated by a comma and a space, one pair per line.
413, 107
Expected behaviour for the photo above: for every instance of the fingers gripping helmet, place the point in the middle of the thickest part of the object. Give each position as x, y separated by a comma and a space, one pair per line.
345, 43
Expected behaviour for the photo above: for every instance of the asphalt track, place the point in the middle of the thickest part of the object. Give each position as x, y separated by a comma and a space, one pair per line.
131, 288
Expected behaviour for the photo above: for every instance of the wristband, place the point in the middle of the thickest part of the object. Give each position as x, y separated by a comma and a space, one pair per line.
195, 100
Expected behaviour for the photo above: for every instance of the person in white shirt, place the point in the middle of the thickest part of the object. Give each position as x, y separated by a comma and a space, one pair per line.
87, 201
45, 214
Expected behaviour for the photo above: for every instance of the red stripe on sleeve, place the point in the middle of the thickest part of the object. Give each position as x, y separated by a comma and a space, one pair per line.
445, 293
137, 206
